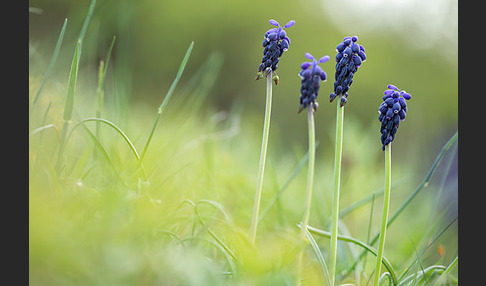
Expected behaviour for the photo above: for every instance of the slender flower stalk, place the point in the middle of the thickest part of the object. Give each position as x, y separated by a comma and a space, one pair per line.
275, 43
311, 76
392, 111
338, 150
350, 56
263, 156
384, 218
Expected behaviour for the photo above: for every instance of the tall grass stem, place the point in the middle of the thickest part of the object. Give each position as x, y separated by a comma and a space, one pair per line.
384, 218
163, 105
51, 65
73, 75
263, 156
101, 82
337, 182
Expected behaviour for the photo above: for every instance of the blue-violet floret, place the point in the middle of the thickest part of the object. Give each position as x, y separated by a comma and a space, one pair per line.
275, 42
311, 75
350, 56
392, 110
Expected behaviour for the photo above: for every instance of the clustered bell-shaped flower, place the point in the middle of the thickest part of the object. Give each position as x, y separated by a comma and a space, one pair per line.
311, 76
349, 58
392, 110
275, 43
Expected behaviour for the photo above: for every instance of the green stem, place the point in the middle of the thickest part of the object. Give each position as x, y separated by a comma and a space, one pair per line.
337, 181
424, 184
310, 171
384, 218
310, 183
263, 156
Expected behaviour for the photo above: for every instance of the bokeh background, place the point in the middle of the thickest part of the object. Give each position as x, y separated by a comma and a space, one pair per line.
412, 44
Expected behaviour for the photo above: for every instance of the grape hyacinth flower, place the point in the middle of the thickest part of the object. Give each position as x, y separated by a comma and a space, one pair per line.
349, 58
275, 43
392, 110
311, 75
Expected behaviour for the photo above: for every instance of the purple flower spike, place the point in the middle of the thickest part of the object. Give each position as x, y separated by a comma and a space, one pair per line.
350, 56
275, 43
289, 24
273, 22
311, 76
324, 59
392, 111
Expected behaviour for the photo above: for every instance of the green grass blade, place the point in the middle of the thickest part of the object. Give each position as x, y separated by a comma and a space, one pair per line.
51, 64
423, 274
102, 149
447, 271
73, 74
432, 241
101, 82
43, 128
320, 258
68, 108
219, 207
426, 180
86, 21
376, 194
424, 184
280, 192
166, 99
119, 131
366, 247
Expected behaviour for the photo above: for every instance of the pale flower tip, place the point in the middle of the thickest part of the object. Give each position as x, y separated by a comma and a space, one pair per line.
273, 22
324, 59
309, 56
289, 24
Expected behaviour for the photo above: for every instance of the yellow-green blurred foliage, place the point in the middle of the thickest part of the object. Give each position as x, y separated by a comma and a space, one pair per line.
87, 226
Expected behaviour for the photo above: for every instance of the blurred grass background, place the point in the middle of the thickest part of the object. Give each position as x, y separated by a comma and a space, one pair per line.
412, 44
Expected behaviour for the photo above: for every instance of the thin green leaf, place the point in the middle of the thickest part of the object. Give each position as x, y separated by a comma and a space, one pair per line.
73, 75
368, 248
320, 258
444, 149
282, 189
102, 149
51, 64
101, 78
166, 99
119, 131
447, 271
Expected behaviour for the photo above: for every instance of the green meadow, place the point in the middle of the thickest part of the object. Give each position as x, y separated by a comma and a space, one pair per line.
145, 134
